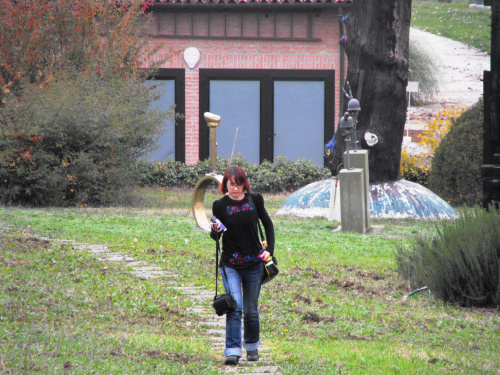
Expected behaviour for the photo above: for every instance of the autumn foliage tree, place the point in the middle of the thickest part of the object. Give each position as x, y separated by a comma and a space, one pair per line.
75, 114
44, 37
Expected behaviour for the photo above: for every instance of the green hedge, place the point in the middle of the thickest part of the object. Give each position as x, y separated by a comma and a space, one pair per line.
456, 166
278, 176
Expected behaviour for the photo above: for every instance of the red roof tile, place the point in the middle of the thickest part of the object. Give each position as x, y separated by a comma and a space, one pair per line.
338, 2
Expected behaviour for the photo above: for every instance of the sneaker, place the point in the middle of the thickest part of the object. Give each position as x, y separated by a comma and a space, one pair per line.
253, 356
232, 360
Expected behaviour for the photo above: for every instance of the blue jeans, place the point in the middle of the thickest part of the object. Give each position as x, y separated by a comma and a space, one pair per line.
245, 288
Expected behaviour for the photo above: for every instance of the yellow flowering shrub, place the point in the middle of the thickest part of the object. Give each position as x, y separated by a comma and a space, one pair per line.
437, 128
416, 168
413, 168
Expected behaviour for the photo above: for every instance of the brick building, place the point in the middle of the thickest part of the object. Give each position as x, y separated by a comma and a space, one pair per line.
271, 69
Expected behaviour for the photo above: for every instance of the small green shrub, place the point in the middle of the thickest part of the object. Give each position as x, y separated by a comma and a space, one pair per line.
456, 166
462, 264
278, 176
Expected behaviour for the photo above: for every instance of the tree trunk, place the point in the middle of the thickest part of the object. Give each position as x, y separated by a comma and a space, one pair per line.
378, 34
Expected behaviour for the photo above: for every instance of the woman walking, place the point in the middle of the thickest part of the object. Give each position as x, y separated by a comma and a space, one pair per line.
242, 254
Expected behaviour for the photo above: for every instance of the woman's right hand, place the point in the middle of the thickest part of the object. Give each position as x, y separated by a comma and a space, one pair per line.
215, 227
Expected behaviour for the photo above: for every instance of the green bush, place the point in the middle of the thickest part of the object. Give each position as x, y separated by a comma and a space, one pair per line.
462, 264
456, 166
281, 175
75, 141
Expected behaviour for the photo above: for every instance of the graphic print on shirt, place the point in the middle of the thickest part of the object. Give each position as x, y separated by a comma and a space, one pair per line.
242, 208
237, 259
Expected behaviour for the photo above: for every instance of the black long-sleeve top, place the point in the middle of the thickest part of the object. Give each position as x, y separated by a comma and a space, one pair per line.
240, 243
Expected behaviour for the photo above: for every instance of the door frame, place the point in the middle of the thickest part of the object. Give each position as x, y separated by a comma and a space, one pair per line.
178, 76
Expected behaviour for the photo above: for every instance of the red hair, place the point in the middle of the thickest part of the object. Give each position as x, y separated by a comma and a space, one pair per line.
237, 175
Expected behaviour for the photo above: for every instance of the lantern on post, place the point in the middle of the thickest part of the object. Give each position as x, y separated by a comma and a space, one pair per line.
353, 108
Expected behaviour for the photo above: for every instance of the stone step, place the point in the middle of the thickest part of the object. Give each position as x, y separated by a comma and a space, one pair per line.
115, 257
140, 263
257, 370
212, 324
92, 248
148, 274
217, 332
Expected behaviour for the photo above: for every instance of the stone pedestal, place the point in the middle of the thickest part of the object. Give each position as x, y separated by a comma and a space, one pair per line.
353, 201
359, 159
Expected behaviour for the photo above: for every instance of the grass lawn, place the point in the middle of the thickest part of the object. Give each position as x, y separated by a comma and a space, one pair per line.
455, 21
337, 306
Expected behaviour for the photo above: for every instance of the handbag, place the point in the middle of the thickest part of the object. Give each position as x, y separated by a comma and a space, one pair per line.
224, 303
271, 270
270, 264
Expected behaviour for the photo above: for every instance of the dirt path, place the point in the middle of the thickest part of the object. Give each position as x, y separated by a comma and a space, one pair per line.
460, 72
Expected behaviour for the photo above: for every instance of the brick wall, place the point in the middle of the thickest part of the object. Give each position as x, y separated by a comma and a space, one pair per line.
414, 134
250, 54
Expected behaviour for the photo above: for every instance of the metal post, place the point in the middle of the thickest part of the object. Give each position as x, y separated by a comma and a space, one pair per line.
198, 200
213, 121
355, 139
348, 146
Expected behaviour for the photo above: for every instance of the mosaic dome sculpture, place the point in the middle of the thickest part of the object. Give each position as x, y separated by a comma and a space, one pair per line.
392, 199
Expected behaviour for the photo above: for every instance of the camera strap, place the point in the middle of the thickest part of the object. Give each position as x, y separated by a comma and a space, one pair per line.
262, 238
217, 269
